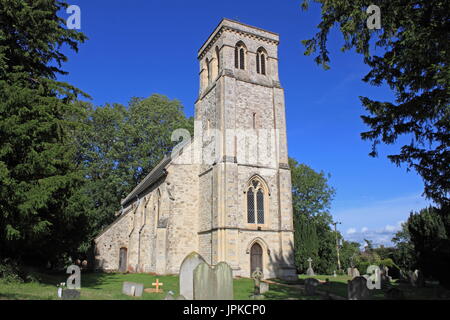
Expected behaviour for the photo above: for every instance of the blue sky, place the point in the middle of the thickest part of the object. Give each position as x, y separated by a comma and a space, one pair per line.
141, 47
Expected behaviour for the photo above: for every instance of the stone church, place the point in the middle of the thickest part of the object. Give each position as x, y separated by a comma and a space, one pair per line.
226, 193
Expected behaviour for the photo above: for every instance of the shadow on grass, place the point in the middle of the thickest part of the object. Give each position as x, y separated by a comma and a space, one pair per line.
282, 292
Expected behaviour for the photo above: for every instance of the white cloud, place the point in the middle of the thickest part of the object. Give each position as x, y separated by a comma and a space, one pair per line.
351, 231
390, 228
364, 230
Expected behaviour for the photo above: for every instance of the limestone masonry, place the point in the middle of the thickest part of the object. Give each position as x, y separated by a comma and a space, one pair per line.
227, 193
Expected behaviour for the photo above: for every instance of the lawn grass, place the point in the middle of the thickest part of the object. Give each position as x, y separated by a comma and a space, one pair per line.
338, 286
108, 286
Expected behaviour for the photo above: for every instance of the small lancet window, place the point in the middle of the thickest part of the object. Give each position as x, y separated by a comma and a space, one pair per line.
261, 61
239, 56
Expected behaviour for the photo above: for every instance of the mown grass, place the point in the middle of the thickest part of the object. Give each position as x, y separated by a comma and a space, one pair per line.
108, 286
338, 285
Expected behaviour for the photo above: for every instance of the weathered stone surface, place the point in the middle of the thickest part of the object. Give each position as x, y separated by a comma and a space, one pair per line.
213, 283
310, 272
263, 287
357, 289
132, 289
199, 205
187, 274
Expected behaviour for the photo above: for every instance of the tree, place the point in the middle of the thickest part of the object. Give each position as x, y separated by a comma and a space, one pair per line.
306, 242
348, 253
431, 242
404, 255
414, 64
117, 147
37, 174
313, 237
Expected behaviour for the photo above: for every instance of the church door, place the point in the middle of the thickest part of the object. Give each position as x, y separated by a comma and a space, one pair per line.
123, 260
256, 258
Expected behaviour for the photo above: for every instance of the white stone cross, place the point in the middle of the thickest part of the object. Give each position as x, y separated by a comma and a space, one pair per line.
309, 260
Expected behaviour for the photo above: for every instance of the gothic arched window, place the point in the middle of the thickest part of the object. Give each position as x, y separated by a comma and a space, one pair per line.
239, 56
256, 201
261, 57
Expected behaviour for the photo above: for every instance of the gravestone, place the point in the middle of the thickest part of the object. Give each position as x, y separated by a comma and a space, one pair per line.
70, 294
353, 272
357, 289
187, 274
310, 286
257, 275
169, 296
416, 278
263, 287
213, 283
309, 271
385, 279
132, 289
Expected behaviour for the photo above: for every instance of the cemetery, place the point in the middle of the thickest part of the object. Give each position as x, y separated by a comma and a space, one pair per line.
198, 197
198, 280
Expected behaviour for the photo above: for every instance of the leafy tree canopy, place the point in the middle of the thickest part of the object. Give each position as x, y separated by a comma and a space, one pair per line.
414, 43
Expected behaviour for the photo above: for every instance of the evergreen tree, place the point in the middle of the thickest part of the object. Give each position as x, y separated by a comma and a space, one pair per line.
37, 174
431, 242
413, 61
313, 237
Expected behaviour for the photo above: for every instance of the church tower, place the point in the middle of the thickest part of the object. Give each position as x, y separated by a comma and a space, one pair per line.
245, 203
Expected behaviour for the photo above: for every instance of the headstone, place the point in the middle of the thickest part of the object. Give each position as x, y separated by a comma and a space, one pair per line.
213, 283
70, 294
264, 287
357, 289
257, 275
310, 271
169, 296
353, 272
132, 289
310, 286
187, 274
416, 278
385, 279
